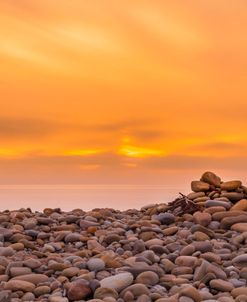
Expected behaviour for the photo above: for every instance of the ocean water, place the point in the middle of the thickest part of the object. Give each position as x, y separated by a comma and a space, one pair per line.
86, 197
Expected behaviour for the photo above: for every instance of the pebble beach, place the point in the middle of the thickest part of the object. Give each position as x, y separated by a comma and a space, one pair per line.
191, 249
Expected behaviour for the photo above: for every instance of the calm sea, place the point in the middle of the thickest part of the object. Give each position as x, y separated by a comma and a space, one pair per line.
86, 197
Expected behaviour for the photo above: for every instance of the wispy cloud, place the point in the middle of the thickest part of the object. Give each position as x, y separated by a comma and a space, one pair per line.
110, 168
21, 127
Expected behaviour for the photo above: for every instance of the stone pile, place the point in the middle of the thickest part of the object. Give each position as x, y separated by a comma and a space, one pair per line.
210, 187
142, 255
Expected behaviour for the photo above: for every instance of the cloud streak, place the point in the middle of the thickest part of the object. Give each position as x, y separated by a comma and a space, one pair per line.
21, 127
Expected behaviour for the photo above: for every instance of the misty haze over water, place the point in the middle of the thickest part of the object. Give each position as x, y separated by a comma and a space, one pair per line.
86, 197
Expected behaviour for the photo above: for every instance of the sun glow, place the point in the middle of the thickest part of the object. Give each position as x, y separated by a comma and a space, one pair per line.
83, 152
139, 152
10, 153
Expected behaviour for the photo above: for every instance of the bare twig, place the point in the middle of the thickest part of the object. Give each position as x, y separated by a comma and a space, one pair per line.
183, 205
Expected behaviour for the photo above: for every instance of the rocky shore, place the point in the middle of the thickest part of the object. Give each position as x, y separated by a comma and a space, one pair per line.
192, 249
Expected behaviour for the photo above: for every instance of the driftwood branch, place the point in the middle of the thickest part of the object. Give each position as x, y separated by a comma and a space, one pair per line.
183, 205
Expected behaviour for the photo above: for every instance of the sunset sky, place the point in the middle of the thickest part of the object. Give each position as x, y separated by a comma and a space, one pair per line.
124, 91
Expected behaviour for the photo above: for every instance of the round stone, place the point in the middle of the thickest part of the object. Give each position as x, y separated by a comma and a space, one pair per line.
148, 278
239, 227
195, 195
112, 238
241, 205
227, 222
42, 290
199, 186
221, 285
231, 185
128, 296
17, 246
79, 290
200, 236
191, 292
33, 278
188, 250
220, 215
185, 299
15, 285
233, 196
212, 210
73, 237
103, 292
240, 261
186, 261
202, 218
95, 264
28, 297
165, 218
218, 203
136, 289
18, 271
240, 298
170, 231
117, 282
70, 272
57, 299
32, 263
6, 251
239, 291
203, 246
211, 178
154, 241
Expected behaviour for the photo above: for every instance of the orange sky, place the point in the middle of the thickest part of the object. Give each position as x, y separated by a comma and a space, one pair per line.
121, 91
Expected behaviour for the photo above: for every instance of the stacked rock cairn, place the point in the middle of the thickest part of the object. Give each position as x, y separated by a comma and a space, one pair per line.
191, 249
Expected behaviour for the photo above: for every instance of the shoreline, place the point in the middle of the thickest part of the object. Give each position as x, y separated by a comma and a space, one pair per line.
87, 198
191, 249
